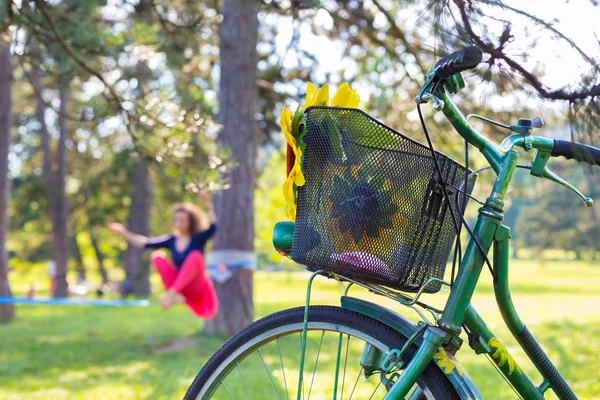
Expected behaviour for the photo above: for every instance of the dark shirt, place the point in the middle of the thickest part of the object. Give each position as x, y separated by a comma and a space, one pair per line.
197, 242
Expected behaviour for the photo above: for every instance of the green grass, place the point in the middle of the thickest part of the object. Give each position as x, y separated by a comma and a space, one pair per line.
52, 352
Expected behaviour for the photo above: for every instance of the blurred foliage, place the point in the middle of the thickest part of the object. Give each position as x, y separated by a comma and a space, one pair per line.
170, 123
555, 218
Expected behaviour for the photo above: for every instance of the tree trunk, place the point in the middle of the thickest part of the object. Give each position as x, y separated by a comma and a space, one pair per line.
234, 207
7, 311
100, 259
40, 112
137, 271
61, 212
137, 268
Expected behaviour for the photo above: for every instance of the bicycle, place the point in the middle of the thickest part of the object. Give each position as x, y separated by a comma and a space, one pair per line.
383, 212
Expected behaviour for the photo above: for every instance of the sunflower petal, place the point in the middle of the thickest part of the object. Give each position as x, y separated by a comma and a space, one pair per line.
311, 90
345, 97
322, 96
316, 97
290, 197
286, 126
299, 175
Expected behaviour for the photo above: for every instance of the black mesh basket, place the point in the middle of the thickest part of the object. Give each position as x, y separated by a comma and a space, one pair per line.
373, 208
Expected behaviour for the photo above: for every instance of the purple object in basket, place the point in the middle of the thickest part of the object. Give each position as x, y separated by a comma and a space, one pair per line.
358, 260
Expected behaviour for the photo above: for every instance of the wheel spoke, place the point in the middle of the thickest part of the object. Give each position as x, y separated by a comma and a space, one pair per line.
345, 364
225, 387
316, 362
283, 370
356, 382
337, 366
301, 393
220, 380
243, 383
269, 372
375, 391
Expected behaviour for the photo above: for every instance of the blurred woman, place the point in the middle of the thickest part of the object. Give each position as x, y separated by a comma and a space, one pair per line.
184, 274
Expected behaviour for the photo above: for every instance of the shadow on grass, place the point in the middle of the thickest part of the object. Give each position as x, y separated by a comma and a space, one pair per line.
84, 347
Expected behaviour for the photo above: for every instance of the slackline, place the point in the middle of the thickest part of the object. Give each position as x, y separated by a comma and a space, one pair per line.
75, 302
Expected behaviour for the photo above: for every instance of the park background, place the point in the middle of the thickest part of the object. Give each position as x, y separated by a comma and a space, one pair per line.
118, 111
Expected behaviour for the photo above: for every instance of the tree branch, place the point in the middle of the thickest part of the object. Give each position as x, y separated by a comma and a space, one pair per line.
550, 28
42, 7
114, 96
397, 32
374, 39
172, 27
497, 53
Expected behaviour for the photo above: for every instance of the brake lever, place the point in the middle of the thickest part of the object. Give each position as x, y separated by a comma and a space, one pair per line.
588, 201
539, 169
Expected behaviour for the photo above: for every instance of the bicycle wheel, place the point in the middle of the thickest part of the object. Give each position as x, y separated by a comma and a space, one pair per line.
263, 361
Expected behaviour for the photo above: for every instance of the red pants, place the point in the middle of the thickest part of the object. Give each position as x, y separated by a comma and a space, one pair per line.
190, 281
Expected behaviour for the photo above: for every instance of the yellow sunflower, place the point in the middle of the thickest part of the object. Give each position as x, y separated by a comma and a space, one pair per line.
343, 97
316, 97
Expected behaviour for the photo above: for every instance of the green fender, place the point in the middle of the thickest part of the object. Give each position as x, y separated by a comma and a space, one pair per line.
457, 375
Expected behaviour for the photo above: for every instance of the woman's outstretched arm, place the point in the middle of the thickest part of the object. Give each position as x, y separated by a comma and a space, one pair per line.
207, 203
133, 238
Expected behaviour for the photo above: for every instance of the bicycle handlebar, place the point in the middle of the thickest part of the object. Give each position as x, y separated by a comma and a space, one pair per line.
457, 62
576, 151
468, 58
501, 158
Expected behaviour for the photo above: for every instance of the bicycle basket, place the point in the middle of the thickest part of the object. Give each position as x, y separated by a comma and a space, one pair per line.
372, 208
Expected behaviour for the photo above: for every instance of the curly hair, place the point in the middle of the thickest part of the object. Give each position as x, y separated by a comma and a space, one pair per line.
197, 217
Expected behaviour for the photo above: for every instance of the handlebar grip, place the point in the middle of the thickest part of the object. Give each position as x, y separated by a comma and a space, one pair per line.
577, 151
459, 61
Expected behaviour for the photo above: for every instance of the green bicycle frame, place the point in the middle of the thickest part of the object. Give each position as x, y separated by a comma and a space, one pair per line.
458, 311
439, 343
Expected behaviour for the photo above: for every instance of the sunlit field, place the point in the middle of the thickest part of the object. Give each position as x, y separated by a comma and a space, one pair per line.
53, 352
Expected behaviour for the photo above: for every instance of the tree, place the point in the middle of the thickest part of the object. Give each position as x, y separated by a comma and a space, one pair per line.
61, 208
159, 119
137, 273
7, 311
238, 100
40, 111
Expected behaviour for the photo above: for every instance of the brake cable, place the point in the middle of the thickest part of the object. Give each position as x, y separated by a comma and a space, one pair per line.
465, 183
444, 190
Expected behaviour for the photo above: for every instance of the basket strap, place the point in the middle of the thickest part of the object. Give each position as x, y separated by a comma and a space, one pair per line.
291, 159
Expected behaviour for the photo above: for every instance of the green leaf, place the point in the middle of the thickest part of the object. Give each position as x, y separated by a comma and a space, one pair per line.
378, 182
363, 176
144, 34
298, 124
340, 186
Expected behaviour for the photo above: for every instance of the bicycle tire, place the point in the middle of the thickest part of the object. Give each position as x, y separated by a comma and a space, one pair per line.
433, 381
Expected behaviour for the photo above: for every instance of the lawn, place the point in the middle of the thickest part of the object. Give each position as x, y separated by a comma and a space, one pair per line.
52, 352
